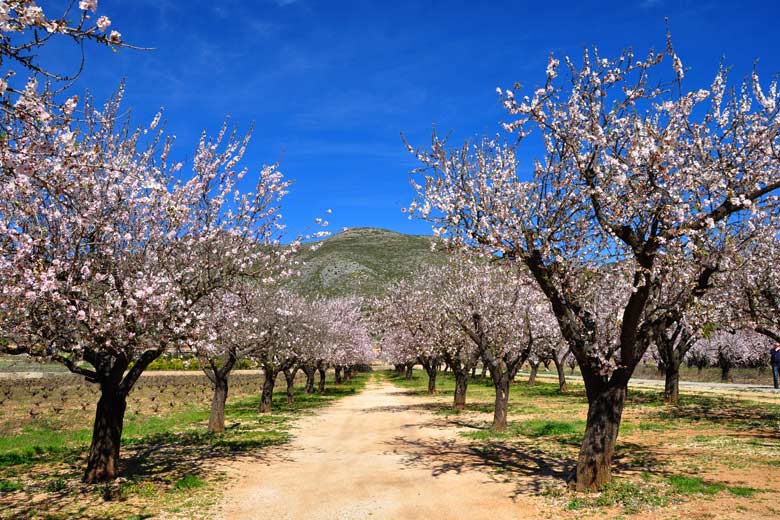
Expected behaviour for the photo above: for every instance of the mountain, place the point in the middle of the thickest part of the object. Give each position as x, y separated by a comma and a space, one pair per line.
362, 261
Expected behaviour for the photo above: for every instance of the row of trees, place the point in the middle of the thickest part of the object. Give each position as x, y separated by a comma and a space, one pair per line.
283, 333
466, 311
643, 197
112, 253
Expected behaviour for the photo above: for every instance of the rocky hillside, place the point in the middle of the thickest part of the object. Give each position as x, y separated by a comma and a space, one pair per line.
362, 261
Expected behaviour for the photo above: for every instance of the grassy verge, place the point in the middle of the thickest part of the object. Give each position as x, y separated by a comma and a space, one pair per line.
169, 460
707, 449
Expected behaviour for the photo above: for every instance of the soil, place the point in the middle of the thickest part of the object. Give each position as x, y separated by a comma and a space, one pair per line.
382, 453
362, 458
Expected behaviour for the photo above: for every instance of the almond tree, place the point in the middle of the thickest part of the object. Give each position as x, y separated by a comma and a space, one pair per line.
504, 315
279, 326
408, 324
633, 168
557, 352
26, 29
106, 247
727, 350
753, 285
347, 341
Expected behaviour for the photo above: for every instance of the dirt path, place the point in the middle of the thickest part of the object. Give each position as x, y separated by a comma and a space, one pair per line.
368, 455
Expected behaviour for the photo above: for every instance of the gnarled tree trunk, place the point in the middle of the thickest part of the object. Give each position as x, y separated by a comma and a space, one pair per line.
501, 382
409, 371
431, 366
218, 375
289, 377
309, 370
562, 386
532, 376
266, 397
217, 416
339, 379
103, 459
594, 464
461, 385
321, 382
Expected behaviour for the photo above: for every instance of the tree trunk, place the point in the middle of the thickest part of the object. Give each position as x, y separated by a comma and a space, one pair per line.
409, 371
431, 371
501, 384
672, 381
725, 373
473, 371
309, 371
217, 417
532, 376
461, 384
321, 383
562, 387
339, 380
484, 371
103, 460
432, 381
594, 465
266, 398
289, 377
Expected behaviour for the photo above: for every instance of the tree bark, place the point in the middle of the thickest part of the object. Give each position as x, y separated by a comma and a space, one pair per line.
321, 383
409, 371
309, 370
339, 380
501, 384
672, 380
103, 459
532, 376
562, 386
217, 416
289, 377
594, 464
725, 373
461, 385
266, 397
431, 366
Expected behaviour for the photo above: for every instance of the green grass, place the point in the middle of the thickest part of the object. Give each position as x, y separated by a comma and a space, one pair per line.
683, 485
631, 497
548, 426
9, 486
188, 482
164, 455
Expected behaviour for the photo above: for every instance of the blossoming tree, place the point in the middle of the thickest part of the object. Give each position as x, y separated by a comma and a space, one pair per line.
631, 166
106, 248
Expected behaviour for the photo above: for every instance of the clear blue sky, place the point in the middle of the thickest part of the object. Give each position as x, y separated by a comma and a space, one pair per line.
331, 85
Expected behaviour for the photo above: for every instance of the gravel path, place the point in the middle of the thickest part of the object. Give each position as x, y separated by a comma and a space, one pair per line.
369, 456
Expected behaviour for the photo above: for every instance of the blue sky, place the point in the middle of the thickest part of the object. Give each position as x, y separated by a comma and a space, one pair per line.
331, 85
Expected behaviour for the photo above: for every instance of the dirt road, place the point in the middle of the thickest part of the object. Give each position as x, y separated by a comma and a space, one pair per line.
370, 455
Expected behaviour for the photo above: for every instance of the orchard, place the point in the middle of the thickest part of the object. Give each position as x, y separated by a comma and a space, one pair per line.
172, 345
